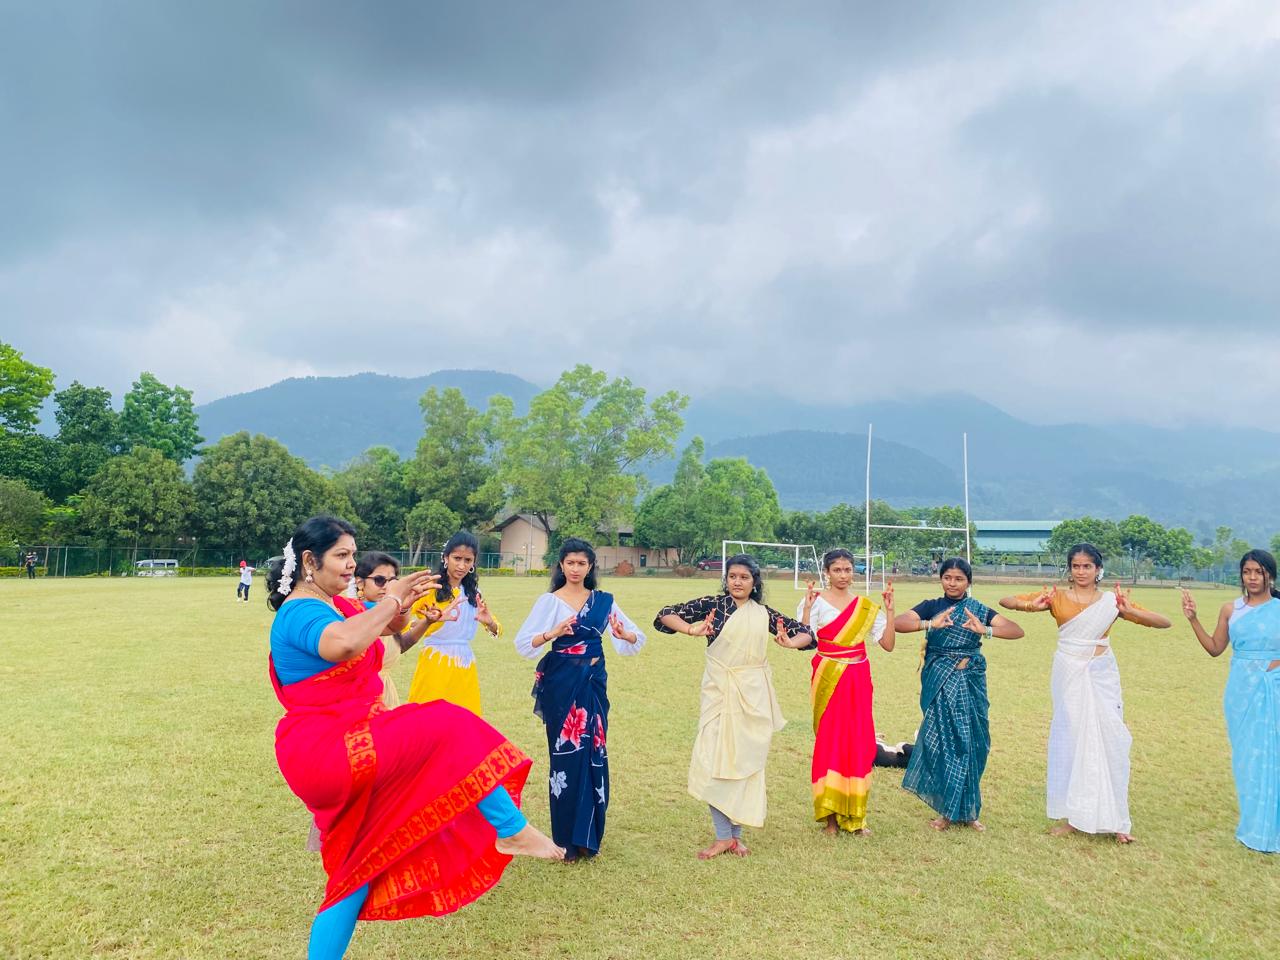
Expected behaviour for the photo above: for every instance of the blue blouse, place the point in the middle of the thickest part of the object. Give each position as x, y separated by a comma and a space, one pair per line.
295, 638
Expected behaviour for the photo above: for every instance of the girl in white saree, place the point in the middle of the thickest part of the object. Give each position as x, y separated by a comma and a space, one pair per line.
1088, 779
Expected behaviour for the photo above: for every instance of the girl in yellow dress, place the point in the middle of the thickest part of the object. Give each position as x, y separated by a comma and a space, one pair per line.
447, 665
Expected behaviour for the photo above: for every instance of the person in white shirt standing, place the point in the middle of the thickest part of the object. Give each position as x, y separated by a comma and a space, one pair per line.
246, 581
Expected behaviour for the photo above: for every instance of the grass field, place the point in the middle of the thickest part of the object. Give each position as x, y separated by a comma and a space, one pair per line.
142, 814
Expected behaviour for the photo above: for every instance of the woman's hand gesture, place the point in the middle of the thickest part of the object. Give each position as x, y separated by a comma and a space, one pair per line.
1044, 599
972, 623
812, 589
703, 628
887, 596
942, 622
564, 628
412, 587
798, 642
1188, 604
619, 631
483, 616
1122, 601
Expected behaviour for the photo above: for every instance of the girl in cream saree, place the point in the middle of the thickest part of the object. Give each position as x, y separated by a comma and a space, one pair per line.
739, 711
1088, 777
1251, 626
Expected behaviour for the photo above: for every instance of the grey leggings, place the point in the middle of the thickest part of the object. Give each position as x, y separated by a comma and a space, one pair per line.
725, 828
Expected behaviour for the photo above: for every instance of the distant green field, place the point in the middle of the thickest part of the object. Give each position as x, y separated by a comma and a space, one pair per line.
142, 814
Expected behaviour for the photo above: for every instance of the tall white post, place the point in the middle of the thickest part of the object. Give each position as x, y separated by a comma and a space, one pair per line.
968, 547
867, 518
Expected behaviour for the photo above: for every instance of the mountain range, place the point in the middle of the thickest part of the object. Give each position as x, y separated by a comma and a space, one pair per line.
815, 452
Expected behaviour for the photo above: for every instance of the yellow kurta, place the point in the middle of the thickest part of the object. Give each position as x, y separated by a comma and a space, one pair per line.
739, 716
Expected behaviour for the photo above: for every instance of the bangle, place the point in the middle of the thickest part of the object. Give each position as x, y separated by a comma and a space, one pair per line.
399, 606
989, 631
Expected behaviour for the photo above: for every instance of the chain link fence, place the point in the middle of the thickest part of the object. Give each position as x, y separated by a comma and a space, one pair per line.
186, 560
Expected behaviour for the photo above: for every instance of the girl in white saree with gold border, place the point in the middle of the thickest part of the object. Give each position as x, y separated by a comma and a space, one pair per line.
1088, 776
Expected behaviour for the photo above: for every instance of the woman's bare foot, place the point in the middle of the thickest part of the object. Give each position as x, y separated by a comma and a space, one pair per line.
740, 849
717, 848
1061, 830
977, 825
862, 832
832, 827
940, 824
1125, 838
529, 842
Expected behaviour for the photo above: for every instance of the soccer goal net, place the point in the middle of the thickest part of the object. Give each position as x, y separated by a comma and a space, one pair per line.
800, 558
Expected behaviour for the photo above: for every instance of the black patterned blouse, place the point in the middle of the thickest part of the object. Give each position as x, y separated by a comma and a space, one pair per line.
721, 606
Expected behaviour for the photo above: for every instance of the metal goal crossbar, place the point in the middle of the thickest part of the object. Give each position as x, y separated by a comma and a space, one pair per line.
804, 557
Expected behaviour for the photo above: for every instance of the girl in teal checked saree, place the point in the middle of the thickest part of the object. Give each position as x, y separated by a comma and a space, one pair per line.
950, 754
1251, 625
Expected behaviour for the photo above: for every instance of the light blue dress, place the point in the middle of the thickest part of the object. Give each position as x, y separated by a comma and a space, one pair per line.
1252, 706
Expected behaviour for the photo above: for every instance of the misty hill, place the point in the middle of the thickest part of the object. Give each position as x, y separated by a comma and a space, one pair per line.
329, 420
1196, 477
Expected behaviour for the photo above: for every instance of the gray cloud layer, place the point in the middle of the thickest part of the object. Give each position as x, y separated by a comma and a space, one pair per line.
1068, 208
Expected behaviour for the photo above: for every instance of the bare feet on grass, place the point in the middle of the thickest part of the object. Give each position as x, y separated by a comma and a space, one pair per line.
717, 848
1062, 830
862, 832
1125, 838
832, 828
529, 842
941, 823
740, 849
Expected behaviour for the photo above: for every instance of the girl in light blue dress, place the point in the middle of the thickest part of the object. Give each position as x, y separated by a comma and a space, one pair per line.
1251, 625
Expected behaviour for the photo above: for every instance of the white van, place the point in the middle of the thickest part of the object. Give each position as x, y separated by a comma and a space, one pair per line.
156, 568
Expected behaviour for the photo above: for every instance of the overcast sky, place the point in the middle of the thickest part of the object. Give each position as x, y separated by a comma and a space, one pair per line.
1070, 209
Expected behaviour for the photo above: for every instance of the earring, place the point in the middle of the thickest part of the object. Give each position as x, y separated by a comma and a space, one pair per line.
472, 570
309, 577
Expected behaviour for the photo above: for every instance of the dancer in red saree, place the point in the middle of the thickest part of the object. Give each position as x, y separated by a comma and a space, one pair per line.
416, 806
844, 747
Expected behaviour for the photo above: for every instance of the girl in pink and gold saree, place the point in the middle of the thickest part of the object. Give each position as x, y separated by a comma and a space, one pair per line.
844, 748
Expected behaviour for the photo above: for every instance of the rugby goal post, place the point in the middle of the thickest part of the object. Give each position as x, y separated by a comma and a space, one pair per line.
803, 557
968, 546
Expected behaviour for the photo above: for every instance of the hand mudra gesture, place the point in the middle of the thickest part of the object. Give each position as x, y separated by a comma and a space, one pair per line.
973, 623
1188, 604
703, 628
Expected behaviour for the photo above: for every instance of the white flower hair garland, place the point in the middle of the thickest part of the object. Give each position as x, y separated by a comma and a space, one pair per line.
287, 570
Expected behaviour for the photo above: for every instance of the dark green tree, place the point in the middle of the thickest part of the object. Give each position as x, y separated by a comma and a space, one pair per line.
140, 498
23, 388
160, 417
377, 484
251, 493
573, 460
454, 462
22, 513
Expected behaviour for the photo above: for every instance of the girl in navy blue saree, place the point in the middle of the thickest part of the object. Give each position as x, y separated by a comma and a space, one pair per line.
571, 692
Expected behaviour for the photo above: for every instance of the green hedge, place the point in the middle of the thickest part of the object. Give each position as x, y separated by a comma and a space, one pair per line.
20, 571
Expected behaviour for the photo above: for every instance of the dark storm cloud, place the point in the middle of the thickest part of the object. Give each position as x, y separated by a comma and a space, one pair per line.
528, 185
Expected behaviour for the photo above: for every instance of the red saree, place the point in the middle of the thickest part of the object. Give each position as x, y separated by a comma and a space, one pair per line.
844, 747
394, 792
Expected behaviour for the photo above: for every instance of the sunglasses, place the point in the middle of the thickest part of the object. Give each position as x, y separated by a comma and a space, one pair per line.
381, 581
